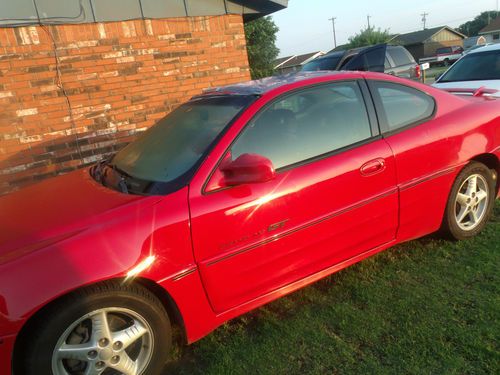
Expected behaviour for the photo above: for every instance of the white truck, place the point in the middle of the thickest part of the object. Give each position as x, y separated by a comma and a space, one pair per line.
445, 56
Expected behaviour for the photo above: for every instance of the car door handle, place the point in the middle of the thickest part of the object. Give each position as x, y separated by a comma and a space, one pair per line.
373, 167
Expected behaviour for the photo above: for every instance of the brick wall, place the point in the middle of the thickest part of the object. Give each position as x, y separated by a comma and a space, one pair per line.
72, 94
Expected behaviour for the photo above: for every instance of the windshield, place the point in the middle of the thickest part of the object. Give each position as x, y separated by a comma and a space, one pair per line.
325, 63
169, 151
475, 67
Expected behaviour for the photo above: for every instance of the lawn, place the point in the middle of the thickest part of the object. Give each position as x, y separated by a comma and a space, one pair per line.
425, 307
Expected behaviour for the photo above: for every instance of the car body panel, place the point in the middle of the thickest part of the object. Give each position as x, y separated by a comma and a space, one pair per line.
271, 235
96, 253
113, 238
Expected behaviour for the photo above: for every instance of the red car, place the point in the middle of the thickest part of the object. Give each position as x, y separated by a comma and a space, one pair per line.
238, 197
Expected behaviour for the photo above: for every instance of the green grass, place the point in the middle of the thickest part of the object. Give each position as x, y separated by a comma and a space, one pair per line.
425, 307
431, 74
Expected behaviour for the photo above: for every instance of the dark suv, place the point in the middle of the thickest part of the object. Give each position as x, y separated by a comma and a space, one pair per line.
395, 60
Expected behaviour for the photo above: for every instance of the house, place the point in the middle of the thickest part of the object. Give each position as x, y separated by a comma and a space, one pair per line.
424, 43
294, 63
97, 73
492, 31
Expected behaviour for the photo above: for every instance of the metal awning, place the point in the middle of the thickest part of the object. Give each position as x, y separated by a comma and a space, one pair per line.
30, 12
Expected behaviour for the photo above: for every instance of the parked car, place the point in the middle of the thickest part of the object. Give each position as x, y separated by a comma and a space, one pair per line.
394, 60
479, 69
445, 56
238, 197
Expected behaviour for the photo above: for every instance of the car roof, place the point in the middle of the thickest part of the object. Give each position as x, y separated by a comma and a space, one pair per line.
491, 47
262, 86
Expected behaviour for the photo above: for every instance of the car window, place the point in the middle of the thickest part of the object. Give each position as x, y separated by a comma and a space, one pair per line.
443, 50
324, 63
370, 59
387, 64
475, 67
179, 141
307, 124
399, 56
403, 105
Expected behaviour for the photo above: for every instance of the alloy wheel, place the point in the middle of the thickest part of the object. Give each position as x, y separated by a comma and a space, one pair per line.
471, 202
107, 341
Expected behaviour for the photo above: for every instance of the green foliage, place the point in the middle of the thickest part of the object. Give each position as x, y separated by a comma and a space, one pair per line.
369, 37
473, 27
261, 46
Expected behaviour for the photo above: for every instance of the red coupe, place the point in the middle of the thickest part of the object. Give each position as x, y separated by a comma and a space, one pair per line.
240, 196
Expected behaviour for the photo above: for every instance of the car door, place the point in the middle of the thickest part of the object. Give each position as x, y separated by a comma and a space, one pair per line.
371, 59
334, 196
424, 157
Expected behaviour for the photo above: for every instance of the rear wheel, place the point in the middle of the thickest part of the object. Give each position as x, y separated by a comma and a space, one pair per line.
470, 203
102, 330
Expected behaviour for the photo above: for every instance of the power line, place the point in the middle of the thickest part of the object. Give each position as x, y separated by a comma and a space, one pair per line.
424, 18
334, 34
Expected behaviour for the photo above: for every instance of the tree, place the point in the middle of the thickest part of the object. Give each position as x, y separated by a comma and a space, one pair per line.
369, 37
261, 46
473, 27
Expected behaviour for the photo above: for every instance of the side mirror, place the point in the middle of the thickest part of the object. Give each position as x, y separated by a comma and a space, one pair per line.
247, 169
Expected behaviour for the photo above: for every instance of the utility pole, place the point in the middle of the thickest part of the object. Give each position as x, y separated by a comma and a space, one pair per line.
424, 18
368, 19
334, 35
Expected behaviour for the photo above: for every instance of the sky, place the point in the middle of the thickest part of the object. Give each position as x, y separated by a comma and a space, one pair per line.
305, 26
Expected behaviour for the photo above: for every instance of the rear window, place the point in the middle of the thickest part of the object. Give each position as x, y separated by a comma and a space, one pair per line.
475, 67
325, 63
443, 50
399, 56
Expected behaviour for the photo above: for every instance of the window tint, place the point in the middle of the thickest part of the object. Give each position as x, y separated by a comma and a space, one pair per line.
307, 124
370, 59
403, 105
443, 50
475, 67
325, 63
399, 56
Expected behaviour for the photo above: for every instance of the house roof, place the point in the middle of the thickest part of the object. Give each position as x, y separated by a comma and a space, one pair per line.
281, 61
421, 36
291, 61
491, 27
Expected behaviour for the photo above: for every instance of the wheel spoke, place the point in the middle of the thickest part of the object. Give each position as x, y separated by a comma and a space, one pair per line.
481, 195
126, 365
78, 352
130, 335
462, 199
100, 326
471, 185
474, 217
462, 214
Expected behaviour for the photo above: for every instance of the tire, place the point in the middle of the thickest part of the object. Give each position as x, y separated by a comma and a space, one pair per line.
446, 63
139, 335
470, 203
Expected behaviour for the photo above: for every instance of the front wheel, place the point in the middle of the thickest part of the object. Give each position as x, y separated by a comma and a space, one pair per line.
107, 329
470, 203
